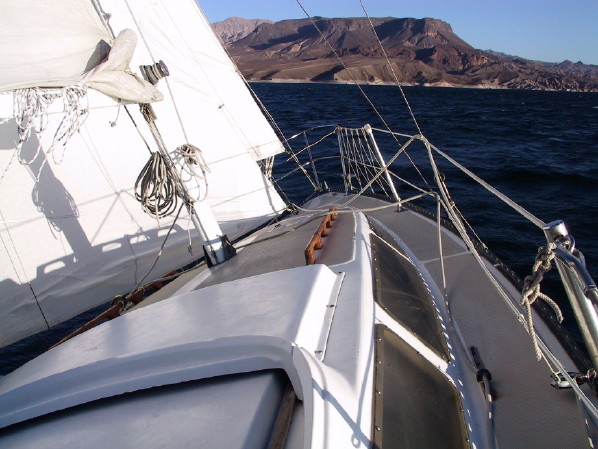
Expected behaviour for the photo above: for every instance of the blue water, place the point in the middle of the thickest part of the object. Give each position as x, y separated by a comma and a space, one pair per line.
539, 148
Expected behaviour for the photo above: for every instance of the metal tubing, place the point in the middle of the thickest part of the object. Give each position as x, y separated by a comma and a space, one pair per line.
368, 130
579, 295
313, 165
213, 246
342, 154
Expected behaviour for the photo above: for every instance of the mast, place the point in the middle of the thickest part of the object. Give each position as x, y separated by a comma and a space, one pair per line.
216, 245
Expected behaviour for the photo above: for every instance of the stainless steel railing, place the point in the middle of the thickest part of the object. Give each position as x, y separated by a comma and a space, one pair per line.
579, 285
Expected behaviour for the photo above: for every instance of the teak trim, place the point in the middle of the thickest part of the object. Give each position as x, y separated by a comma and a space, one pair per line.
316, 240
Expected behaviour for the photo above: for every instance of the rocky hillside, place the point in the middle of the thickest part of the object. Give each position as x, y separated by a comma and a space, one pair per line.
421, 51
235, 28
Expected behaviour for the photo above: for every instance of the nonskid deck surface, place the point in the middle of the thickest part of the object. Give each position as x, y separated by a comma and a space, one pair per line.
277, 247
527, 412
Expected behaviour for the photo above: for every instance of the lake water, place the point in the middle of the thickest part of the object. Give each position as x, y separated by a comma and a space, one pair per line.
539, 148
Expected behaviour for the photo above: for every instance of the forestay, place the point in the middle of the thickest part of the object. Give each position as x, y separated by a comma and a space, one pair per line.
72, 234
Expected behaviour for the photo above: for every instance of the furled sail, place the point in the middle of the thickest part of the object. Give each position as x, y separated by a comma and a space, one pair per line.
72, 234
62, 43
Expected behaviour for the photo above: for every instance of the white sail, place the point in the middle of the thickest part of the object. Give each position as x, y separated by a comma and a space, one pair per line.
72, 234
77, 52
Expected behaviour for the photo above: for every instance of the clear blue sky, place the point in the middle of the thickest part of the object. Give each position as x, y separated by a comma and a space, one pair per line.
546, 30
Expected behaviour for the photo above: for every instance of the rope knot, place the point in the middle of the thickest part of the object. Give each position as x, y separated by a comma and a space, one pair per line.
531, 290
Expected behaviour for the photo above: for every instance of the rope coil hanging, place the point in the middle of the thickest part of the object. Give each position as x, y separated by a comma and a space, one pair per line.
191, 158
155, 189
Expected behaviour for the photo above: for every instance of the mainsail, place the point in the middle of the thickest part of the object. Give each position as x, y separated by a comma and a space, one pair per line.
72, 234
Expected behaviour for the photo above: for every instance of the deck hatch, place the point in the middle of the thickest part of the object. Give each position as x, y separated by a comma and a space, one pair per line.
415, 405
400, 290
233, 411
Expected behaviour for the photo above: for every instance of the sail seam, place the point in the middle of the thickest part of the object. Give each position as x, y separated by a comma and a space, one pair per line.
22, 268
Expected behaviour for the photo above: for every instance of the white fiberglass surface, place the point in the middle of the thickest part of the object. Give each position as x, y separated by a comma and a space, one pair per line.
225, 412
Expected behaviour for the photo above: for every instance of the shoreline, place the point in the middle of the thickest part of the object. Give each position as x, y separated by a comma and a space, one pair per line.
440, 84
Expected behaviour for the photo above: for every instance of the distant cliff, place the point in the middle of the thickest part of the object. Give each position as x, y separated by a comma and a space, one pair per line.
421, 51
235, 28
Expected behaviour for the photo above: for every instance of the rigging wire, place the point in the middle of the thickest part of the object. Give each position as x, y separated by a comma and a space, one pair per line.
159, 252
521, 210
367, 98
391, 67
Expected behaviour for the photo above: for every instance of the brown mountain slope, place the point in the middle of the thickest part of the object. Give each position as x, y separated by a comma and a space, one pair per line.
235, 28
421, 51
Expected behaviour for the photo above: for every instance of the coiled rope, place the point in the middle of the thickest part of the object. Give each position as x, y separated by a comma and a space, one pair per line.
193, 158
155, 189
158, 189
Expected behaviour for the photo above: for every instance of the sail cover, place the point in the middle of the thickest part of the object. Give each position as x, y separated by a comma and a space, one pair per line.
72, 234
62, 43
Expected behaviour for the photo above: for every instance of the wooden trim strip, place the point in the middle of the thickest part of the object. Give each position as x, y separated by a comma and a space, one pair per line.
316, 240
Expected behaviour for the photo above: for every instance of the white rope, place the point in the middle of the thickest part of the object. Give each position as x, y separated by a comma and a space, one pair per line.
368, 159
410, 184
192, 158
362, 164
453, 216
30, 110
268, 166
512, 204
311, 145
531, 290
383, 169
74, 115
394, 133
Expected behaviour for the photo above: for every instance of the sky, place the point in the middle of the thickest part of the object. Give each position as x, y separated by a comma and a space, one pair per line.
544, 30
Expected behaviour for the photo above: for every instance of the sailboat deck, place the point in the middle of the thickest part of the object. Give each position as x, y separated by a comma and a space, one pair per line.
527, 410
389, 330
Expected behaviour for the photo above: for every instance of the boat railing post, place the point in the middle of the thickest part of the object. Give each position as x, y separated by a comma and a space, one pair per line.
311, 161
368, 129
342, 155
579, 286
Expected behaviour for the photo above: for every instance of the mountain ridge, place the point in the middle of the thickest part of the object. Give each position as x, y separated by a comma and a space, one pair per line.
421, 51
235, 28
